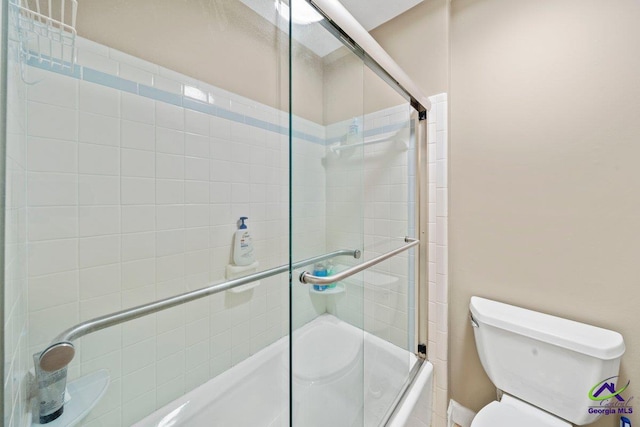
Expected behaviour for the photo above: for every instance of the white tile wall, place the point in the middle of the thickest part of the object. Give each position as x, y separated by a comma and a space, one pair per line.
438, 250
309, 218
16, 357
131, 200
367, 189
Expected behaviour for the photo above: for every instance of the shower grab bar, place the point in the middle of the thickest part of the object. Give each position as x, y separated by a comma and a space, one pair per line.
392, 136
60, 353
307, 277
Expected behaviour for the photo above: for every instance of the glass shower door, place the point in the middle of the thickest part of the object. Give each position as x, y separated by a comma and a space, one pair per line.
327, 357
126, 173
352, 202
128, 167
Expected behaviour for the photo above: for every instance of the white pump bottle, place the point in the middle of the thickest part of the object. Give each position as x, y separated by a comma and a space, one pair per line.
243, 245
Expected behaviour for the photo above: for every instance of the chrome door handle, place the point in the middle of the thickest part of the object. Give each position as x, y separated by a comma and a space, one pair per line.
307, 277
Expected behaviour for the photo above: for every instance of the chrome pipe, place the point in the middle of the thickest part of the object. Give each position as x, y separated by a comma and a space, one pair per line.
307, 277
60, 353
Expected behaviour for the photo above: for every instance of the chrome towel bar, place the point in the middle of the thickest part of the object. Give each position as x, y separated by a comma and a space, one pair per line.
60, 353
307, 277
391, 137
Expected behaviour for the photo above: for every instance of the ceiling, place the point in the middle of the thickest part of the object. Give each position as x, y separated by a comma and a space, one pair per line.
370, 14
373, 13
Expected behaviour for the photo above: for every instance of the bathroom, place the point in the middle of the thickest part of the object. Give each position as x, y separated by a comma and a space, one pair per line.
126, 174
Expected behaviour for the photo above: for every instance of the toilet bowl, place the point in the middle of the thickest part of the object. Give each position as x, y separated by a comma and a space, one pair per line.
546, 366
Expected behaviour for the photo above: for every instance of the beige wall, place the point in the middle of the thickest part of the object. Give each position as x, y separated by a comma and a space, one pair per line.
226, 44
544, 175
544, 183
223, 43
351, 89
343, 85
418, 41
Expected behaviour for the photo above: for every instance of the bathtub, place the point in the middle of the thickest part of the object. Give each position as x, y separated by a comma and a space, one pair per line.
342, 376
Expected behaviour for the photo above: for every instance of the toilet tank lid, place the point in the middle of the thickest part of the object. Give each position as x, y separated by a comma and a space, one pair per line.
580, 337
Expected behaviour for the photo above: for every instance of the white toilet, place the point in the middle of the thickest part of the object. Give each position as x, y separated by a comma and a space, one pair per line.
544, 365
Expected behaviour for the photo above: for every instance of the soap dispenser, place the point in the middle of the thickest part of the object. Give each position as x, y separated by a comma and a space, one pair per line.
243, 245
353, 135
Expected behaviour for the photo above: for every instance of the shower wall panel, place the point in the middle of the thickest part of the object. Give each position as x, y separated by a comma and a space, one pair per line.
17, 360
380, 296
136, 178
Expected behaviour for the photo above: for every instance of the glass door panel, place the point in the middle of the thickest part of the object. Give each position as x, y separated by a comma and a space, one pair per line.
327, 355
389, 208
127, 172
352, 187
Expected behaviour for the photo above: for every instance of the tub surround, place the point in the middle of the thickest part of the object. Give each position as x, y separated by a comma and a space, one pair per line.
135, 186
372, 189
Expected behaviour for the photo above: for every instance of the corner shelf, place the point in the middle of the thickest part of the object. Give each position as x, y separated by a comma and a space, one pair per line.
85, 393
340, 288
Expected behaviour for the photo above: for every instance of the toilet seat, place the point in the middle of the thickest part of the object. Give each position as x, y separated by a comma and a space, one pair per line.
511, 412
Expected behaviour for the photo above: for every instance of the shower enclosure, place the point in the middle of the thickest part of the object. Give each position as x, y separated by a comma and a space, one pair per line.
137, 133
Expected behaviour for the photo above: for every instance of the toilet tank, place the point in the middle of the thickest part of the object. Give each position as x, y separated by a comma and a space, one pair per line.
547, 361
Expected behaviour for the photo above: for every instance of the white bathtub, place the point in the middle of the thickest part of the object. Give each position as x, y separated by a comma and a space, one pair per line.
333, 384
